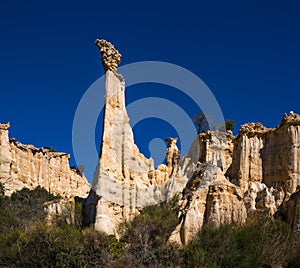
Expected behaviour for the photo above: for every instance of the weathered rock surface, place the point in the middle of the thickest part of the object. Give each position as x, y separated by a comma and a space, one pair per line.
172, 155
111, 57
125, 181
222, 179
258, 172
192, 205
270, 156
27, 166
247, 159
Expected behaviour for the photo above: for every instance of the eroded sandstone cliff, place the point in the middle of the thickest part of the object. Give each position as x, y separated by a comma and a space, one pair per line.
222, 179
27, 166
262, 176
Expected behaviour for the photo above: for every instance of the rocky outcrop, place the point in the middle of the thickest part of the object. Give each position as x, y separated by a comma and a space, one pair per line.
172, 155
125, 180
247, 157
222, 179
224, 204
27, 166
257, 171
281, 155
192, 205
270, 156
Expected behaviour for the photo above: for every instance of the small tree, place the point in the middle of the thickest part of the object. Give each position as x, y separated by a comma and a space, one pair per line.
200, 120
229, 124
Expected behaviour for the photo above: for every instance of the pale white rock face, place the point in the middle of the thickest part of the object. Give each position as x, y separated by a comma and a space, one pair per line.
247, 161
217, 149
222, 179
193, 203
281, 157
261, 168
125, 180
172, 156
209, 147
208, 198
224, 204
27, 166
5, 154
120, 158
269, 156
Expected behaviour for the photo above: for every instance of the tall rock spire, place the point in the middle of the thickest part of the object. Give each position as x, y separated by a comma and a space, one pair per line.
121, 179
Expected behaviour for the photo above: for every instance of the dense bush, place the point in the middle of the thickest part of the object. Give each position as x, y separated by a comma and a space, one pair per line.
23, 208
267, 243
147, 236
42, 245
28, 240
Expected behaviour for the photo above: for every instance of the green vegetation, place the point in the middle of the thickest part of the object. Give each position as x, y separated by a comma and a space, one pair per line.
229, 124
203, 123
27, 239
200, 121
267, 243
147, 235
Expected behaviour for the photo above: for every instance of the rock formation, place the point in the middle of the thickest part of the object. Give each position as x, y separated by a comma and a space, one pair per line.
208, 197
172, 155
233, 178
222, 179
125, 180
270, 156
27, 166
111, 57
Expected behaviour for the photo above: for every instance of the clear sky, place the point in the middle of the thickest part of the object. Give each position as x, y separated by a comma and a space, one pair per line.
247, 52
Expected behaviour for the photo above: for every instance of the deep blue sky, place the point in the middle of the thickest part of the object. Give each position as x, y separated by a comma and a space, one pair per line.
247, 52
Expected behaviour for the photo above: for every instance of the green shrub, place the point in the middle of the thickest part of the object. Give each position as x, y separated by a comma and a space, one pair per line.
30, 241
263, 243
147, 236
97, 248
153, 226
